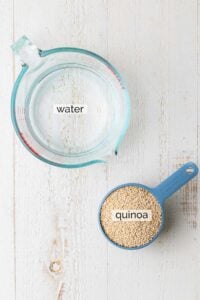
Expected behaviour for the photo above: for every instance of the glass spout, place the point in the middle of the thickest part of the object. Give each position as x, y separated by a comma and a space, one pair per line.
27, 52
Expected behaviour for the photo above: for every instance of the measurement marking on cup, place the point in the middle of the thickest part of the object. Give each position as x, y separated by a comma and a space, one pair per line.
28, 145
117, 77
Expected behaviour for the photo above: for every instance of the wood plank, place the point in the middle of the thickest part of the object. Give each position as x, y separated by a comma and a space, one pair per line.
42, 192
7, 201
159, 55
182, 147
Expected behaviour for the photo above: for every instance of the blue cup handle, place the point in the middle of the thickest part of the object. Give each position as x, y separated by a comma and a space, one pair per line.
174, 182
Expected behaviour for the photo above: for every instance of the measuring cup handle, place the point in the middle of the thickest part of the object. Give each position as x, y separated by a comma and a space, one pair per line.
28, 53
174, 182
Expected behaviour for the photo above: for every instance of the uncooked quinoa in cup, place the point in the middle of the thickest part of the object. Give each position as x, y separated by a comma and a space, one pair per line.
131, 216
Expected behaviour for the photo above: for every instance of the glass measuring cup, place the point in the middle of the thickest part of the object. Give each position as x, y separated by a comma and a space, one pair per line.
161, 193
70, 107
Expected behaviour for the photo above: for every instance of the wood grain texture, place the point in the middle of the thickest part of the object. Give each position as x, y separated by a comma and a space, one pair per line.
7, 210
155, 45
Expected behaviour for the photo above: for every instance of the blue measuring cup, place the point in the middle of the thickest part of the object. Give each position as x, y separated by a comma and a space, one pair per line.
161, 192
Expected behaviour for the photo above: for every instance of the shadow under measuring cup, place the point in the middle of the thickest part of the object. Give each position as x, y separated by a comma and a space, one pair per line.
126, 230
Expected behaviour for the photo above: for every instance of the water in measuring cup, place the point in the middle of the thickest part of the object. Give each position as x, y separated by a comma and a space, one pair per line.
71, 110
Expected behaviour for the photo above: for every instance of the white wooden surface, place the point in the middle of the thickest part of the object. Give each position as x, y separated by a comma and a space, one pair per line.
155, 45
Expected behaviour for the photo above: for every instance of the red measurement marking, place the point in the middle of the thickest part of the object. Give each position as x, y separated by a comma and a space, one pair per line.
117, 77
27, 144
